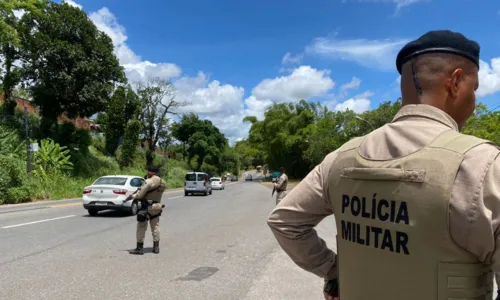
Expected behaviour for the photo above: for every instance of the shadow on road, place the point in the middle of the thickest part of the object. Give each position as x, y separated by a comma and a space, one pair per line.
146, 250
109, 214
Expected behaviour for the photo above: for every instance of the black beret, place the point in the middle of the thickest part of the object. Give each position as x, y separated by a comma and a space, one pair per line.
153, 169
443, 41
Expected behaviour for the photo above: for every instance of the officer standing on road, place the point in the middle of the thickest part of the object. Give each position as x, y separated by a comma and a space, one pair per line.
281, 185
150, 194
416, 203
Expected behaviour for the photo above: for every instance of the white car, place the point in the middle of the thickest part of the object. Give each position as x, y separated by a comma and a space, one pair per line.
108, 193
217, 183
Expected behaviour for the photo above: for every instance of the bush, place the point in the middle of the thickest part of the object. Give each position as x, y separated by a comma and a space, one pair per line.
13, 180
51, 159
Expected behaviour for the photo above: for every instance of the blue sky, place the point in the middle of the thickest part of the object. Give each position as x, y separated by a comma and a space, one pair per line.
234, 58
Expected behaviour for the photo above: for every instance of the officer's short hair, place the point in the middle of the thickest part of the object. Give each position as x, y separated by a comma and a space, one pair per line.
153, 169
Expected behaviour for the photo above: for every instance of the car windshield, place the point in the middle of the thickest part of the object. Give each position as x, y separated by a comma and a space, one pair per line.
191, 177
111, 181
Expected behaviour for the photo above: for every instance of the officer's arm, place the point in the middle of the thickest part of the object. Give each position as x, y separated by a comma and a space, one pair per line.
491, 214
279, 183
294, 218
143, 190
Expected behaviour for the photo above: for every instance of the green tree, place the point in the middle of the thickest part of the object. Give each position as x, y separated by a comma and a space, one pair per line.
129, 145
70, 62
123, 106
284, 135
10, 44
484, 124
204, 143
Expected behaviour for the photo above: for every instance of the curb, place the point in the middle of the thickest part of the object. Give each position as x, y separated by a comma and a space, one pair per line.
63, 200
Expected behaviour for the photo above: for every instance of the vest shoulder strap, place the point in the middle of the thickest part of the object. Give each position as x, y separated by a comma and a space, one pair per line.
457, 142
352, 144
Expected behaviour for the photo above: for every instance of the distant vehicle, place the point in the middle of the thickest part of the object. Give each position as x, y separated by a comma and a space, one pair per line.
234, 178
108, 193
217, 183
259, 168
248, 177
197, 183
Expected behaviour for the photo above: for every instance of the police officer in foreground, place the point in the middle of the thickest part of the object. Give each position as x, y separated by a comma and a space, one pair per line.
281, 185
416, 203
150, 194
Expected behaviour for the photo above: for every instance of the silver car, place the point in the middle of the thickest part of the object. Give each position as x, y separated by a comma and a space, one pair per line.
197, 183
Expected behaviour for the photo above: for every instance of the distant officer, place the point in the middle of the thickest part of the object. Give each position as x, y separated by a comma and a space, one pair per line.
150, 194
416, 203
281, 185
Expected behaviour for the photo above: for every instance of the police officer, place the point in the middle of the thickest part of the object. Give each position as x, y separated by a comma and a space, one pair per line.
281, 185
150, 194
416, 203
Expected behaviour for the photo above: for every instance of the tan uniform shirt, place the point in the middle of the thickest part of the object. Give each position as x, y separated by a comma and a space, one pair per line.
474, 204
152, 189
282, 183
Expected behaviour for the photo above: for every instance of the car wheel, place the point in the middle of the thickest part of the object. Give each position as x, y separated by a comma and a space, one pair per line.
186, 194
93, 212
133, 209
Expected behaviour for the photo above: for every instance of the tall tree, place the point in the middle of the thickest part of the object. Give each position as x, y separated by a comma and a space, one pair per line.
10, 13
157, 103
204, 143
70, 62
123, 107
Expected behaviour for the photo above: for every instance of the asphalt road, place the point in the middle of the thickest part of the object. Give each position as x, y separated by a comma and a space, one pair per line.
213, 247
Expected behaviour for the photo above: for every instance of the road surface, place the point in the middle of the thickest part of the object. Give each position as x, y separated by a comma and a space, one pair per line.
213, 247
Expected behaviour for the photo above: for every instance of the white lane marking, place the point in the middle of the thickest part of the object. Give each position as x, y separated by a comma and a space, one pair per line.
175, 197
35, 222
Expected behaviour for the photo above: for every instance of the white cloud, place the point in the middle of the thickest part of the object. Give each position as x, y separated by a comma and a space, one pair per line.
224, 104
352, 85
489, 78
303, 83
379, 54
359, 103
73, 3
135, 68
290, 59
210, 99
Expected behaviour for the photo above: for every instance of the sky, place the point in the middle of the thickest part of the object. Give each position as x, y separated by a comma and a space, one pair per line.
233, 59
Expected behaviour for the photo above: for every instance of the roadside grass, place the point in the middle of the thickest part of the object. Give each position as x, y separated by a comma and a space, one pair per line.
62, 186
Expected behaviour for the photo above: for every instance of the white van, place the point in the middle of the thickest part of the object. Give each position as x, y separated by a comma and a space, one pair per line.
197, 182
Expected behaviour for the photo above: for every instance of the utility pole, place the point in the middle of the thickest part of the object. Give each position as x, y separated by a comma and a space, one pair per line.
28, 145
